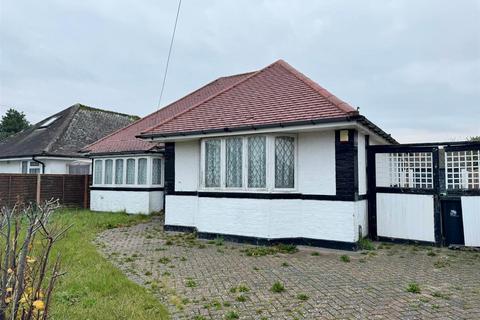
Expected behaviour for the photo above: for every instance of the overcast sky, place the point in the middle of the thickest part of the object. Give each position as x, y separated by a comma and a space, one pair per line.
413, 67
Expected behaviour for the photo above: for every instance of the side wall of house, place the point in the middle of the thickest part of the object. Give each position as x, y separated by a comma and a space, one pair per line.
13, 166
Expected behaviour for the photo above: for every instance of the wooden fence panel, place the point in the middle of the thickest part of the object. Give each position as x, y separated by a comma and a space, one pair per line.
71, 190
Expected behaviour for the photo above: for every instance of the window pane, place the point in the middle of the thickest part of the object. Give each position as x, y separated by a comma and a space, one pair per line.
108, 171
212, 163
234, 162
257, 162
284, 162
34, 170
142, 171
98, 172
157, 171
119, 171
130, 171
24, 166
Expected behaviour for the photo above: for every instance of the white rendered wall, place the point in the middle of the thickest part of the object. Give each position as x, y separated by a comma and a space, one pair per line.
471, 220
187, 163
361, 217
405, 216
56, 166
316, 163
326, 220
143, 202
12, 166
362, 165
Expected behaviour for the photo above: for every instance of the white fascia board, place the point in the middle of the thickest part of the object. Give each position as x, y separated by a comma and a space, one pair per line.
292, 129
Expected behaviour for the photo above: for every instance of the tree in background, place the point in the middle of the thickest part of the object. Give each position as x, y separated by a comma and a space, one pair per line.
477, 138
12, 122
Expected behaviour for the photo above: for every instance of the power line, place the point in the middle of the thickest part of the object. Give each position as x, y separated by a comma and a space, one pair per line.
169, 53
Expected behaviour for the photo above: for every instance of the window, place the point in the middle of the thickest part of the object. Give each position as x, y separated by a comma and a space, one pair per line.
97, 178
462, 169
257, 158
212, 163
142, 171
130, 171
157, 171
108, 171
241, 163
284, 162
234, 162
24, 166
119, 171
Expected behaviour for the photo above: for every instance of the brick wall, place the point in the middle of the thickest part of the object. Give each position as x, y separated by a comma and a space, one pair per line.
71, 190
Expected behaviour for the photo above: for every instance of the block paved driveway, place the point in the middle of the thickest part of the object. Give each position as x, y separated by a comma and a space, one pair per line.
199, 279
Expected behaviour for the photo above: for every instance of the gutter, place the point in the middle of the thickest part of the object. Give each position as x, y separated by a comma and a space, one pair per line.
40, 162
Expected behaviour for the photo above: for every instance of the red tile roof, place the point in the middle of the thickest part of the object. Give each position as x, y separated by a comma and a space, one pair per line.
124, 140
277, 94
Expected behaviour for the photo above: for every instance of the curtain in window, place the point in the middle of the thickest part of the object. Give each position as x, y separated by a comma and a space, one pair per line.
119, 171
212, 163
284, 162
130, 171
97, 179
157, 171
108, 171
142, 171
234, 162
257, 162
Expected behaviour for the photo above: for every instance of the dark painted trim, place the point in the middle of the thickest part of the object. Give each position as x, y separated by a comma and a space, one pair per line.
406, 241
128, 188
437, 213
354, 117
268, 196
362, 197
463, 147
372, 194
400, 148
173, 228
169, 167
404, 190
446, 144
350, 246
461, 193
346, 164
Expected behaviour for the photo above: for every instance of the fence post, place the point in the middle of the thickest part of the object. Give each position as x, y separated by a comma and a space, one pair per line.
39, 187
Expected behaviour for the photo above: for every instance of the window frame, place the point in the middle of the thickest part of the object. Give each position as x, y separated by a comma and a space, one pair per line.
124, 158
269, 166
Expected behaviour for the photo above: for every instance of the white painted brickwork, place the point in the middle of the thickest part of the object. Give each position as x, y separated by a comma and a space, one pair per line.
135, 202
326, 220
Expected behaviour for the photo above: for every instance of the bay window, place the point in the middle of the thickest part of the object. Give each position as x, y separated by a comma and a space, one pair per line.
157, 171
98, 166
242, 163
130, 171
142, 171
108, 171
119, 171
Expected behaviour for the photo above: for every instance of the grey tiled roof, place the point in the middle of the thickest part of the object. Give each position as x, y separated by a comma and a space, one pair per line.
74, 128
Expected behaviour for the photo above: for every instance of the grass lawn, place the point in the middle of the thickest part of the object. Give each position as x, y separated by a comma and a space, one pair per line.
93, 288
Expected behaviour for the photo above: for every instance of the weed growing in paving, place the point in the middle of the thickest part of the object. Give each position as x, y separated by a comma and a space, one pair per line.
345, 258
365, 244
441, 263
219, 241
285, 264
277, 287
164, 260
198, 317
148, 273
241, 298
430, 253
315, 254
231, 315
263, 251
438, 294
413, 288
302, 297
243, 288
190, 283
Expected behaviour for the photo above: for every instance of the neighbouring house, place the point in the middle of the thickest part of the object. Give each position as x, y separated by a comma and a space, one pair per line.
272, 156
129, 172
52, 146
